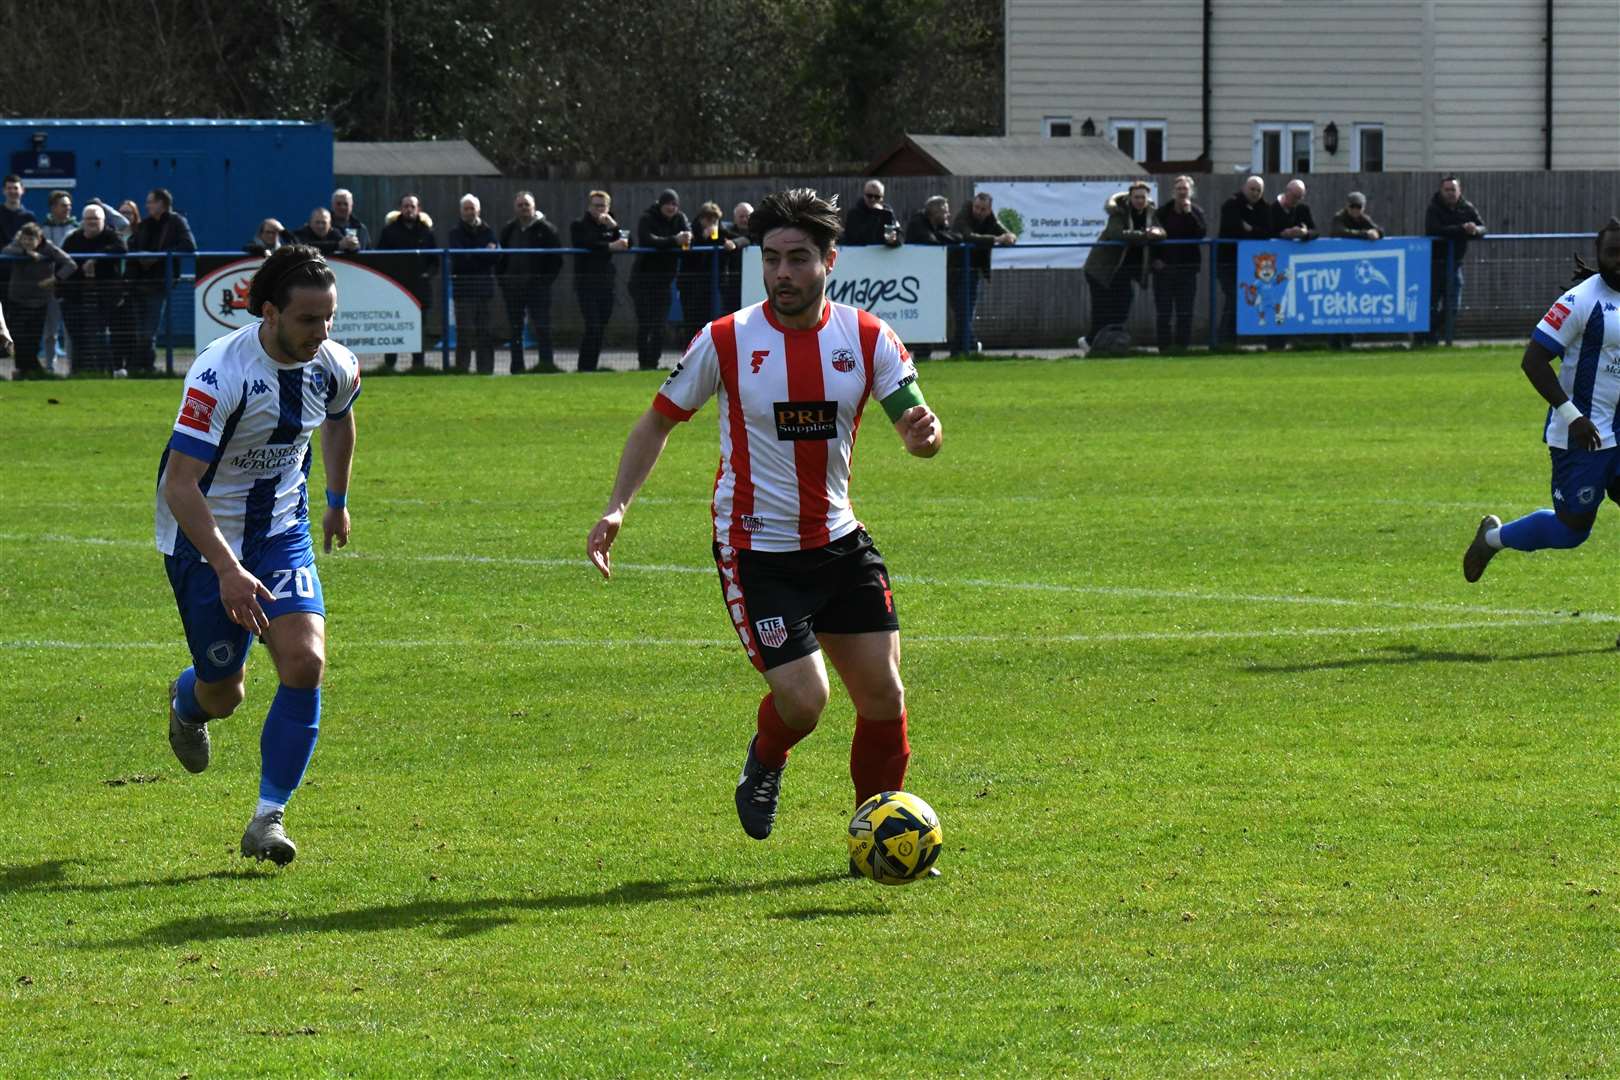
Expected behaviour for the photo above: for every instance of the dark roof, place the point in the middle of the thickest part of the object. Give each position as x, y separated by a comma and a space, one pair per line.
447, 157
1006, 156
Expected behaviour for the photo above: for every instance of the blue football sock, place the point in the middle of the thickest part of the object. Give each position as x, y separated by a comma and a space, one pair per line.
287, 741
1541, 529
185, 698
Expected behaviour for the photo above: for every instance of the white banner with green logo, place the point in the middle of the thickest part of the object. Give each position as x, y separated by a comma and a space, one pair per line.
1068, 212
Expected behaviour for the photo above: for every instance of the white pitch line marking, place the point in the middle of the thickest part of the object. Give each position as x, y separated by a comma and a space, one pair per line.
1103, 638
1130, 591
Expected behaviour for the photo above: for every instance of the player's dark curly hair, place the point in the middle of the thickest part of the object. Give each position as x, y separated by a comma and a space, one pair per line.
291, 267
1584, 271
797, 208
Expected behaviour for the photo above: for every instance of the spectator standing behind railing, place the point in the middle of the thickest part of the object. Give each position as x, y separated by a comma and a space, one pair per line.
931, 226
318, 232
871, 221
598, 237
1352, 223
698, 270
1291, 219
1245, 216
59, 222
1118, 265
271, 235
132, 217
1176, 266
978, 225
472, 285
161, 230
663, 229
410, 229
1450, 217
354, 236
526, 280
90, 297
13, 216
33, 282
731, 262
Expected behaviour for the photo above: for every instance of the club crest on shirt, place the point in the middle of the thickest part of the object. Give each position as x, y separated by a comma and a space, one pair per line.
843, 360
752, 523
317, 379
772, 632
1586, 495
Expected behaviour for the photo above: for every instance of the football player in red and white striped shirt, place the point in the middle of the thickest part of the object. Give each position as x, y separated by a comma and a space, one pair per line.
798, 573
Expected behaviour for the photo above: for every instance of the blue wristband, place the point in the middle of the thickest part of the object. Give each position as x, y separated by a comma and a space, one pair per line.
337, 500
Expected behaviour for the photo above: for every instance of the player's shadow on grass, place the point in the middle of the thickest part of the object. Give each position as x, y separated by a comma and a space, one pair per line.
1417, 654
50, 876
460, 918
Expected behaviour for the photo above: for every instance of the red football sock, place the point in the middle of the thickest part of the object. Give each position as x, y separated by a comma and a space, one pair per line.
775, 738
877, 757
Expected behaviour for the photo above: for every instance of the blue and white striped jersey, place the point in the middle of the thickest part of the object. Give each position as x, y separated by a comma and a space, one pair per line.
1583, 327
250, 418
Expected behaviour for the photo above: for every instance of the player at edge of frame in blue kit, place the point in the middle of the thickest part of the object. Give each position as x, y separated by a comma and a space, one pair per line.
233, 524
1582, 331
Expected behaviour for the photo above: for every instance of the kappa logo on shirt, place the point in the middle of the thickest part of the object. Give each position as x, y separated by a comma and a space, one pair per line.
197, 409
259, 387
1556, 315
208, 377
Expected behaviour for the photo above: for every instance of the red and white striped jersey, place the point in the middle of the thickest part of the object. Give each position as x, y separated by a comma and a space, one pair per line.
790, 406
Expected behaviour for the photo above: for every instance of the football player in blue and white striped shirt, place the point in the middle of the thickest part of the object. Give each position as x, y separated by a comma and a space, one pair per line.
233, 523
1582, 331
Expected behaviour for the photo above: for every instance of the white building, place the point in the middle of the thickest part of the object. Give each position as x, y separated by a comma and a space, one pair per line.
1311, 86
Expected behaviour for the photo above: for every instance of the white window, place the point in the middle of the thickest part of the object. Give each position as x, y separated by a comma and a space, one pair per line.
1283, 147
1142, 140
1367, 148
1058, 127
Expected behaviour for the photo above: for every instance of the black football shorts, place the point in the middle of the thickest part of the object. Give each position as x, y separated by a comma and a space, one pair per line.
780, 600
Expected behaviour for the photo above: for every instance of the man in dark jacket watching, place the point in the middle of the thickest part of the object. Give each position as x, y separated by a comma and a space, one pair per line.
150, 278
352, 232
870, 221
92, 293
977, 225
1452, 221
1176, 266
665, 230
1291, 219
526, 280
932, 226
472, 286
598, 236
1245, 216
408, 229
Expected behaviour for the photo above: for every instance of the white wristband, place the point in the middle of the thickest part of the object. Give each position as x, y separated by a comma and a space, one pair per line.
1568, 412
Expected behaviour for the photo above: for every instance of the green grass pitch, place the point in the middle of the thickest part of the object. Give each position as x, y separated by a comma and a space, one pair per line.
1238, 777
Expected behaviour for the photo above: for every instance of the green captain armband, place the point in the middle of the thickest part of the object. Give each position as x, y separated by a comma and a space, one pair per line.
902, 399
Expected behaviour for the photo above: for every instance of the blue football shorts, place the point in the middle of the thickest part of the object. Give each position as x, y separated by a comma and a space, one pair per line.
1580, 478
286, 565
